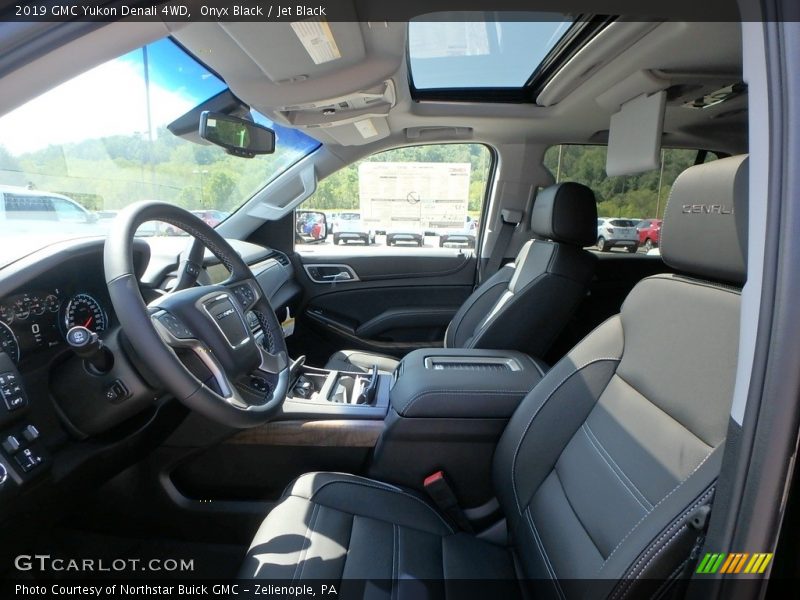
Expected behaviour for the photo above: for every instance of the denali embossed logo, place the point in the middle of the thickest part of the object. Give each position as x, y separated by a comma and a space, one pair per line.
225, 313
707, 209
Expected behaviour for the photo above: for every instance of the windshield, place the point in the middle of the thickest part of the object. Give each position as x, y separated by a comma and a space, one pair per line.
74, 156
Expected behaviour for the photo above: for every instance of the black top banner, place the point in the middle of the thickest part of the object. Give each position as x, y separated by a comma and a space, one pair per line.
369, 10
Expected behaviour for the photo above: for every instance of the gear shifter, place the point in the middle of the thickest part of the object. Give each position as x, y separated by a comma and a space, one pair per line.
303, 388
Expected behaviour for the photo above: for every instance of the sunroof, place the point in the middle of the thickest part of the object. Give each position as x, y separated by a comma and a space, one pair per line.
481, 55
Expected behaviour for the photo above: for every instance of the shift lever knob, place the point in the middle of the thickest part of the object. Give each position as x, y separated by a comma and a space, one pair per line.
88, 345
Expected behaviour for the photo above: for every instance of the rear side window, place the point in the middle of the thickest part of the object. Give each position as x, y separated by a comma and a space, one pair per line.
630, 201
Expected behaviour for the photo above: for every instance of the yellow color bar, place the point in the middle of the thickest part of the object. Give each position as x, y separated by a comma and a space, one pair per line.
759, 562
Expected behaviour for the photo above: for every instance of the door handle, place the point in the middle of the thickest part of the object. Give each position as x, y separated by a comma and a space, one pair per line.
330, 273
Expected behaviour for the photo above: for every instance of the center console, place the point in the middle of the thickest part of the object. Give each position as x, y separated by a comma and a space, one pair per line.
320, 393
448, 408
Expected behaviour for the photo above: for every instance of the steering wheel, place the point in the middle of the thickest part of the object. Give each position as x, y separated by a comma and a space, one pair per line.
196, 339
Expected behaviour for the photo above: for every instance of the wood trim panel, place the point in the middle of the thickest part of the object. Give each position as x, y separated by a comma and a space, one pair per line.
341, 433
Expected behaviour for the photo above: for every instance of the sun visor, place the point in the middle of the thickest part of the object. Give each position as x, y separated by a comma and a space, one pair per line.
634, 137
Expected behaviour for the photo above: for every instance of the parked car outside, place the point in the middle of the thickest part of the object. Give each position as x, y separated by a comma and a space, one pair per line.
617, 232
649, 233
465, 237
349, 227
212, 218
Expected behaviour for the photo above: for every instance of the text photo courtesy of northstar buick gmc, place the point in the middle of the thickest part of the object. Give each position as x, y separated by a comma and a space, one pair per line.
409, 301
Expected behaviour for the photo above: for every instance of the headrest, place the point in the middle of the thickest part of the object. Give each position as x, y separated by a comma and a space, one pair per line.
705, 222
566, 213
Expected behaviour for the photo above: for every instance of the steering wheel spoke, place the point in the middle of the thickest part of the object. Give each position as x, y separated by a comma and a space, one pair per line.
271, 363
179, 337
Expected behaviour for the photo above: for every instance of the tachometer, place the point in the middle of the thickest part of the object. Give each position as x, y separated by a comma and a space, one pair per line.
8, 342
84, 310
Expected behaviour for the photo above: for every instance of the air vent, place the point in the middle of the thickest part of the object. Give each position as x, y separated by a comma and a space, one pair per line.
280, 257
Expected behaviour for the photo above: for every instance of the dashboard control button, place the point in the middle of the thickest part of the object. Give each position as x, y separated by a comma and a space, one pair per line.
30, 433
174, 326
14, 402
117, 391
28, 459
11, 391
11, 444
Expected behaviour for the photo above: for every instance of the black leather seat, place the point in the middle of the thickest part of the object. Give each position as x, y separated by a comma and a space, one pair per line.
603, 464
538, 292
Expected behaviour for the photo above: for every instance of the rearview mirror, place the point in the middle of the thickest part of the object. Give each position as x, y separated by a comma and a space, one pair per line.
237, 136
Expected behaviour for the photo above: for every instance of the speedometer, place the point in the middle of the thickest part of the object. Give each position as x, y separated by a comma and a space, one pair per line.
8, 342
84, 310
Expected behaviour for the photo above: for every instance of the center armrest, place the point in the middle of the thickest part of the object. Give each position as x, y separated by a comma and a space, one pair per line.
465, 383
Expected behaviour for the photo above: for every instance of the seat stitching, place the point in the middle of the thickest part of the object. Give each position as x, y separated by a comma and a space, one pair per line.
627, 483
303, 552
540, 544
627, 535
711, 285
535, 414
560, 482
385, 489
677, 522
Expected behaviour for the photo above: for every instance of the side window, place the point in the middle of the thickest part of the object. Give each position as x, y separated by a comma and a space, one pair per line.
428, 197
630, 208
67, 212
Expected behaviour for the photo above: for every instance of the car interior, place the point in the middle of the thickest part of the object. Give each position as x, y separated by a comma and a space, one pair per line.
531, 411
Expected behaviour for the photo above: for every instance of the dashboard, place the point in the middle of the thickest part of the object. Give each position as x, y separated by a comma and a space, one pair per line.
51, 402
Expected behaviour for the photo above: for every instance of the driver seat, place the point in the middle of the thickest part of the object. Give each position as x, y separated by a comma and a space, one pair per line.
605, 468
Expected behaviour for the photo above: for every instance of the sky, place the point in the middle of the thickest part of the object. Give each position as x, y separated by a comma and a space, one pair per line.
109, 100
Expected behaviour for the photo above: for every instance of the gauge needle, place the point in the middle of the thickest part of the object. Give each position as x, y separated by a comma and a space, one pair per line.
88, 322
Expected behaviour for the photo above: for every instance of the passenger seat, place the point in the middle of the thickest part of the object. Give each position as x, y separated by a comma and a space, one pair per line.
526, 304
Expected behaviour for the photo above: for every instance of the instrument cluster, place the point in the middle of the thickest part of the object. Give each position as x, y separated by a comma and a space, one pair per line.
34, 321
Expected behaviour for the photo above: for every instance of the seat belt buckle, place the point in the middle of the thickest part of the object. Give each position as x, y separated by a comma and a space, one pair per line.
439, 490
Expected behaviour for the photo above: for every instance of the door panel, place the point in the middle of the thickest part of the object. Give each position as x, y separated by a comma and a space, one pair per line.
394, 304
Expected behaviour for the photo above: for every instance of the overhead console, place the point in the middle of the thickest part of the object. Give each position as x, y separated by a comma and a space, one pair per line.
448, 408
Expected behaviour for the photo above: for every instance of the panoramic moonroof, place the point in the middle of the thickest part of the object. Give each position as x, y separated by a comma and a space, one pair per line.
481, 55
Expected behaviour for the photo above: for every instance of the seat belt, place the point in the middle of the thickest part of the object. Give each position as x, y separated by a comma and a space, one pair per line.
440, 491
510, 219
